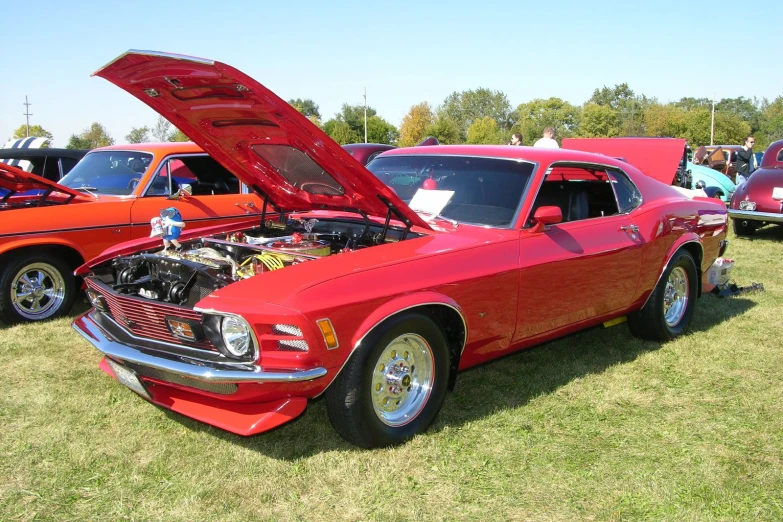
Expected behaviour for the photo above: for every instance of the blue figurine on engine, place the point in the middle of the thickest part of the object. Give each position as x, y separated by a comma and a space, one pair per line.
168, 227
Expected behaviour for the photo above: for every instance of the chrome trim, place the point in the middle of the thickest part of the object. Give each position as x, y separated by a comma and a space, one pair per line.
753, 215
158, 54
374, 326
185, 366
666, 265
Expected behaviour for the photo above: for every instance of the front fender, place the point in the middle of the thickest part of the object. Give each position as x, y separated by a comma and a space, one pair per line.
41, 241
400, 304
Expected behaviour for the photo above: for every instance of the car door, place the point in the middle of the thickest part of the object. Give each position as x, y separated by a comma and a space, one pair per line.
585, 267
217, 195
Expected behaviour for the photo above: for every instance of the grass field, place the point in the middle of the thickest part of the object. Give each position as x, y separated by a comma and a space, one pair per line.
596, 426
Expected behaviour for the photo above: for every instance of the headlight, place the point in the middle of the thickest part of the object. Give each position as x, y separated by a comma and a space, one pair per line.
236, 336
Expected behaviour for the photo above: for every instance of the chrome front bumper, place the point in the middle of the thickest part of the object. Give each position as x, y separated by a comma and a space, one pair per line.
207, 371
752, 215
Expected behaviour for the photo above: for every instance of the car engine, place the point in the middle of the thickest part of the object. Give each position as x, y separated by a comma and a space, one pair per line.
186, 275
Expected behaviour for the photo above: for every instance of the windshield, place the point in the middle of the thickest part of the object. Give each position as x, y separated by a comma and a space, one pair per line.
487, 191
108, 172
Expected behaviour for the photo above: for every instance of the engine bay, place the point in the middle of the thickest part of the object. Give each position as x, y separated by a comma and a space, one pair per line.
183, 276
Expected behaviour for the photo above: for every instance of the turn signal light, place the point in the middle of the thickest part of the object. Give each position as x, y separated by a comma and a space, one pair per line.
330, 337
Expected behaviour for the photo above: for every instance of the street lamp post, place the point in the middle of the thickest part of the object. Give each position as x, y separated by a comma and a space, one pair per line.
365, 115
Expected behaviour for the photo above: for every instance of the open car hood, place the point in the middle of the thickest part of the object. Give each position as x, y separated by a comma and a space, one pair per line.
656, 157
14, 180
259, 137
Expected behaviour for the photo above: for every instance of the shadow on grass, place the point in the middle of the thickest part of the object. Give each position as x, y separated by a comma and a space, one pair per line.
765, 233
80, 306
509, 382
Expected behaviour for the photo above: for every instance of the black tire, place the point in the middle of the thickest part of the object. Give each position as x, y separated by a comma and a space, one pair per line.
58, 296
741, 229
355, 404
651, 321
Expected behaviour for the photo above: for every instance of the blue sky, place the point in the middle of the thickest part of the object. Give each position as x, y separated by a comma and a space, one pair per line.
403, 52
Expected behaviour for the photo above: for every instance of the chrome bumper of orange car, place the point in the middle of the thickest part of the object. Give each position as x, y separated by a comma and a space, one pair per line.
752, 215
207, 371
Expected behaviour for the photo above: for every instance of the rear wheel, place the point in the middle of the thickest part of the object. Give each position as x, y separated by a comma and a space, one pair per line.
669, 309
35, 287
743, 227
394, 384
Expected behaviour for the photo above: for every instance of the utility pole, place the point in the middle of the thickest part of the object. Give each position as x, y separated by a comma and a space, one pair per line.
712, 124
365, 115
27, 114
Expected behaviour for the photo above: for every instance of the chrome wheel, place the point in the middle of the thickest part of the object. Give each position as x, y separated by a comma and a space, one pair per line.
402, 380
675, 297
37, 291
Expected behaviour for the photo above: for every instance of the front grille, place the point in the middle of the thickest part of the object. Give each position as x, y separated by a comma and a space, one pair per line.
164, 376
147, 319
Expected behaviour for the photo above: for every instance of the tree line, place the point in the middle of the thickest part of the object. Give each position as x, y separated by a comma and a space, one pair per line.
485, 116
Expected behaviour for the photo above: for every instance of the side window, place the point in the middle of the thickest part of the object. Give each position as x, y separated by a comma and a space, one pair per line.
581, 192
205, 176
628, 196
51, 170
68, 164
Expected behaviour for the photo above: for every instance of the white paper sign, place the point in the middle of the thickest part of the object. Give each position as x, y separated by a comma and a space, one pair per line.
430, 201
777, 193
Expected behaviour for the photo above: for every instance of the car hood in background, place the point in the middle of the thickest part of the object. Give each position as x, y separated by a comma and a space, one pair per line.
656, 157
252, 132
14, 180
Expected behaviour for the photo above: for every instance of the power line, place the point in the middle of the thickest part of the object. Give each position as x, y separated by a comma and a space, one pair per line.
27, 114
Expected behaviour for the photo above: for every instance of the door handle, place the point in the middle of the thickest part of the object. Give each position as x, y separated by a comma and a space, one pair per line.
632, 228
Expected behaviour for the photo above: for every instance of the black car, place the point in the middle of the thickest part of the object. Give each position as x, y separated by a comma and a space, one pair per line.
51, 164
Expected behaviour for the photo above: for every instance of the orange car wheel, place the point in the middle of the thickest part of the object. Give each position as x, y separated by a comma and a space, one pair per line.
35, 287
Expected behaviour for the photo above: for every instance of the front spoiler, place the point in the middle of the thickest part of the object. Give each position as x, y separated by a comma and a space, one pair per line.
752, 215
191, 368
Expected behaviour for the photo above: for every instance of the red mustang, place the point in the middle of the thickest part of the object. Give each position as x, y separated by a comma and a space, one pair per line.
759, 201
355, 294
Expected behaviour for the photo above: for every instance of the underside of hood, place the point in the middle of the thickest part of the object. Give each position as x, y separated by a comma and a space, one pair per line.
259, 137
15, 183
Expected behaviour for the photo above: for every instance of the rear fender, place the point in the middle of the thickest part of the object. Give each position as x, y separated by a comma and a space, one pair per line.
689, 242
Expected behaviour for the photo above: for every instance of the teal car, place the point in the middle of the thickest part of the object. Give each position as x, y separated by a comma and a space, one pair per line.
715, 183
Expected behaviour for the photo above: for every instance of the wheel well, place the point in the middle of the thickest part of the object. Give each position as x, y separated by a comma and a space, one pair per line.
454, 329
70, 255
696, 250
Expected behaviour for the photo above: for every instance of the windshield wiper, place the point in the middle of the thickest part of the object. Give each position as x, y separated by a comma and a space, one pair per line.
89, 190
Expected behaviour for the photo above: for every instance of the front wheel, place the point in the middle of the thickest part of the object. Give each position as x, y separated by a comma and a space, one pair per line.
742, 227
35, 287
669, 309
394, 384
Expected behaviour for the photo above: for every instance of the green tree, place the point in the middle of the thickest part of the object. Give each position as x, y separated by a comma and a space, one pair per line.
163, 130
341, 132
689, 103
598, 121
630, 107
178, 135
485, 131
445, 130
538, 114
93, 136
694, 124
35, 130
747, 110
771, 121
463, 108
138, 135
415, 124
307, 107
381, 131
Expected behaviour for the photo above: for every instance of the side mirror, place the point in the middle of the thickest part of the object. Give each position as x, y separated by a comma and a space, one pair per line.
183, 192
546, 216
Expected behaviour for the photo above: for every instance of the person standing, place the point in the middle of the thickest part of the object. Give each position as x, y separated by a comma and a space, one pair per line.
744, 158
548, 141
516, 139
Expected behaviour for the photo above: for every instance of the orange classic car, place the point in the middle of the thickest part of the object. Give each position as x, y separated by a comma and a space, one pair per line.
49, 229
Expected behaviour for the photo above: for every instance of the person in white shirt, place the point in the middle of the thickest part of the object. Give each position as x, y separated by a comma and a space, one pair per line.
548, 141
